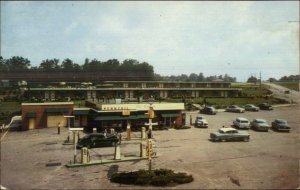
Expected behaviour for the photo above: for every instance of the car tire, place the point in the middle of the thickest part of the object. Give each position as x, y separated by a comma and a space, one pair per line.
223, 140
113, 144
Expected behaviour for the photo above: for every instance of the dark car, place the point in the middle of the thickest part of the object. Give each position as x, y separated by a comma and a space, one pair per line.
265, 106
209, 110
95, 140
281, 125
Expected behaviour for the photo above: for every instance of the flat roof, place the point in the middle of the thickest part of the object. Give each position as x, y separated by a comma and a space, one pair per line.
164, 82
227, 129
47, 103
133, 89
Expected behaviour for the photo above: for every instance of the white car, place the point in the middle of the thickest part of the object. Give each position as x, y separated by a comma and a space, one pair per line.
251, 107
241, 123
201, 122
235, 108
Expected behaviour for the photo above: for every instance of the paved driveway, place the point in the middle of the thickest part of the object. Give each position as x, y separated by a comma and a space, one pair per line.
269, 161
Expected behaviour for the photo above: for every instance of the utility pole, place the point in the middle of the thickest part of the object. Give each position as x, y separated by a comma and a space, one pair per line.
260, 80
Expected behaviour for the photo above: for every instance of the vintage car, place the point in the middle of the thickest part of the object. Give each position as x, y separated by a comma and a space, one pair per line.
281, 125
260, 125
95, 140
229, 134
251, 107
265, 106
241, 123
201, 122
234, 108
209, 110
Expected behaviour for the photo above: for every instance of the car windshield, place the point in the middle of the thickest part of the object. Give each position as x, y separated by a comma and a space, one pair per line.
244, 121
260, 121
281, 121
85, 137
220, 131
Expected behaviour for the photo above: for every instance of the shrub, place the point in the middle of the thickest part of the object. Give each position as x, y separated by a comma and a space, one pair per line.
160, 177
161, 180
125, 178
181, 178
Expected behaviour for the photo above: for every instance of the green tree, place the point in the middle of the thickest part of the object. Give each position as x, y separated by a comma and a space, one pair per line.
3, 65
67, 65
201, 77
18, 63
193, 77
49, 65
272, 79
252, 79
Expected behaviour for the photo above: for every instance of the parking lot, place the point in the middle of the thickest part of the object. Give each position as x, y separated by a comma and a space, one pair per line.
270, 160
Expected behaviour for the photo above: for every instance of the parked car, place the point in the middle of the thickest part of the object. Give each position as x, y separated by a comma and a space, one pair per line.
209, 110
260, 125
241, 123
251, 107
265, 106
95, 140
235, 108
281, 125
227, 134
201, 122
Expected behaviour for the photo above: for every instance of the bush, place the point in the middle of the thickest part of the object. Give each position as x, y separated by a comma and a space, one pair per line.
161, 180
161, 177
181, 178
125, 178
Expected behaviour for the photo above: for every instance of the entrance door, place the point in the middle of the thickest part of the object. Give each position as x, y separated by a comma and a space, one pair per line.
31, 123
54, 120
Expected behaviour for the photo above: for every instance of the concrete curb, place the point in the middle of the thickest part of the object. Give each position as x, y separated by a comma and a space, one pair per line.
98, 162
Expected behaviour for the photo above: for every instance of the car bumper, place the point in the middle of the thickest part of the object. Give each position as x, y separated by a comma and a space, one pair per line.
202, 125
283, 129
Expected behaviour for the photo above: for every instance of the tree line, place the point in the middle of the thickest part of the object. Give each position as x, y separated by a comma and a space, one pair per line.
291, 78
129, 69
193, 77
18, 63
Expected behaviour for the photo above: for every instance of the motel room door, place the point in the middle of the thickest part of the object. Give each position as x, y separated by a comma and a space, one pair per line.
31, 123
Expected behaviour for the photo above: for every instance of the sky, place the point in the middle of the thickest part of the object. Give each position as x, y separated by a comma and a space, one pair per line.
241, 38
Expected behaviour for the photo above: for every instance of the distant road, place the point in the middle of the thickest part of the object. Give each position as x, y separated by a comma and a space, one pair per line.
279, 92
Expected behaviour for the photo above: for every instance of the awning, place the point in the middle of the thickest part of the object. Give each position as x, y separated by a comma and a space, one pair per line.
81, 112
110, 118
57, 110
170, 114
115, 117
30, 114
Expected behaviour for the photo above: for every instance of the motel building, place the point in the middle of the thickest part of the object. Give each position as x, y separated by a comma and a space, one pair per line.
100, 116
129, 90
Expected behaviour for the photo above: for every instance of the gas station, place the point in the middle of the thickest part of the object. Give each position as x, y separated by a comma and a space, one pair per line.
146, 147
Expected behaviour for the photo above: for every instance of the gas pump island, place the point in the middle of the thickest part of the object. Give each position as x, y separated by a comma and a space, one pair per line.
146, 149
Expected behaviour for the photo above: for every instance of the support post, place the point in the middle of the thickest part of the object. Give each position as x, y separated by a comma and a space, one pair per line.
143, 152
128, 131
143, 133
117, 152
74, 147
